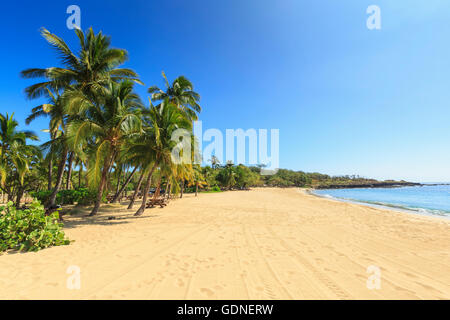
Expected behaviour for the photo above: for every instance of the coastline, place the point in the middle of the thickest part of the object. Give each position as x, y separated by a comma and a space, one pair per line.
381, 206
266, 243
375, 185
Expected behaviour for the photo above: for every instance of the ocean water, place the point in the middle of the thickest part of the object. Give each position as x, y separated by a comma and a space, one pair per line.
428, 200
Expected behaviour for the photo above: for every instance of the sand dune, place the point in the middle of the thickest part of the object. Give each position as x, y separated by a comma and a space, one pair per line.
260, 244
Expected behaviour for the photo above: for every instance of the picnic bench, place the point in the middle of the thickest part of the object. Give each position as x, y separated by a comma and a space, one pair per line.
110, 198
156, 202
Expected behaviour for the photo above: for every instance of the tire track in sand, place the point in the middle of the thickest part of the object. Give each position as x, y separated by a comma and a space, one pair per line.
332, 286
250, 238
122, 273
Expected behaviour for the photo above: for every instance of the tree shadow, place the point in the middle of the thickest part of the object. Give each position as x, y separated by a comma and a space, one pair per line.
103, 220
108, 215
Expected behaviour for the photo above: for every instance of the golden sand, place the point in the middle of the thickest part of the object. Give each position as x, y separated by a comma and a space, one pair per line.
259, 244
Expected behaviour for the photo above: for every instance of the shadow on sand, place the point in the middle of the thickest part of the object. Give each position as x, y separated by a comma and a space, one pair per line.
108, 215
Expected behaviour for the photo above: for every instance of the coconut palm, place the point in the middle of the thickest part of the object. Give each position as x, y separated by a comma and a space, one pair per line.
15, 155
215, 162
155, 146
78, 162
198, 178
12, 142
227, 175
181, 93
184, 173
136, 190
93, 67
89, 71
126, 163
105, 120
23, 156
54, 109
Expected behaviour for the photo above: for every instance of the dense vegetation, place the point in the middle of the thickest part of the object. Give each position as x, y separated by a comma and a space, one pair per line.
81, 196
230, 176
289, 178
29, 229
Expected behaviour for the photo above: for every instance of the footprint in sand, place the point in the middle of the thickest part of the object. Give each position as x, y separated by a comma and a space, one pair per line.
180, 283
409, 275
207, 292
53, 284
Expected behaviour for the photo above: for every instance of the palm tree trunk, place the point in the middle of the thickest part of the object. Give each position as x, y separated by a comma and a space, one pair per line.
158, 188
146, 189
182, 189
69, 171
52, 199
196, 189
86, 177
118, 183
103, 181
19, 196
170, 192
50, 173
117, 195
166, 192
79, 175
136, 191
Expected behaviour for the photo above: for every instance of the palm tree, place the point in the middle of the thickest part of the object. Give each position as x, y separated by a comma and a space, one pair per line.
181, 93
227, 175
78, 162
11, 143
155, 146
89, 71
124, 185
22, 157
198, 179
184, 173
136, 190
215, 162
93, 67
15, 154
107, 120
57, 128
69, 170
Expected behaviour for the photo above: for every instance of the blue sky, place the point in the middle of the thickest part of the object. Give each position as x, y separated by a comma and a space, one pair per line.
347, 100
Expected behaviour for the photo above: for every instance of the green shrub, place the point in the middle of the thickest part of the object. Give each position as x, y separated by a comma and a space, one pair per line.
189, 190
29, 229
216, 189
82, 196
42, 196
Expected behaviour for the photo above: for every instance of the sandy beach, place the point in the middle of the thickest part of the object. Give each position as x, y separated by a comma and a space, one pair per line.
259, 244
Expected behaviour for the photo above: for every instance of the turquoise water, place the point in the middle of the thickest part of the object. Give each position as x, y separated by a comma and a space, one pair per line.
428, 200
